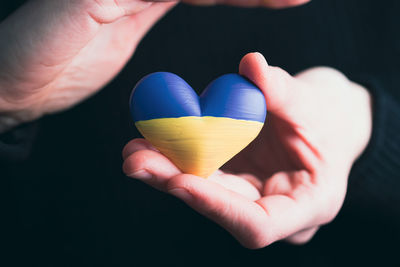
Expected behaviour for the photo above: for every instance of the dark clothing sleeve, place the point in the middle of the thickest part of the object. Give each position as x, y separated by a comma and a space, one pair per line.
374, 182
15, 145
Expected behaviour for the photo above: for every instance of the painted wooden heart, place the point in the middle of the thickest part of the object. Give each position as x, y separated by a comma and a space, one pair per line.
198, 134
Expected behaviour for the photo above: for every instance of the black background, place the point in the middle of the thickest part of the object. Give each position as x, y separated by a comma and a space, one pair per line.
69, 204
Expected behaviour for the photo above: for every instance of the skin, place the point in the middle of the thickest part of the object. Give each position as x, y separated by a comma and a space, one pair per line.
293, 177
286, 184
54, 54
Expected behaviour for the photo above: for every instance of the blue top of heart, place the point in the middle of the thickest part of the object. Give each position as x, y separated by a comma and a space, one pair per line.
166, 95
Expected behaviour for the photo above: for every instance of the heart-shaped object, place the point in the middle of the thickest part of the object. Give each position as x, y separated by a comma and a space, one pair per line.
198, 134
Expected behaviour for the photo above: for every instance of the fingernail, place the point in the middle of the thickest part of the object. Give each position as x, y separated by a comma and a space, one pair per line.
181, 194
141, 175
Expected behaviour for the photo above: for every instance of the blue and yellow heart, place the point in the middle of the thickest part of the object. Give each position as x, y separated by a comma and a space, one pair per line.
198, 134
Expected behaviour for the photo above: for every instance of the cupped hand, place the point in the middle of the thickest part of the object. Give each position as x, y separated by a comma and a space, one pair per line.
293, 177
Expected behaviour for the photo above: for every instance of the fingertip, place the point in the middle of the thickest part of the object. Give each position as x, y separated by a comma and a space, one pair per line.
136, 145
252, 61
274, 82
158, 167
254, 67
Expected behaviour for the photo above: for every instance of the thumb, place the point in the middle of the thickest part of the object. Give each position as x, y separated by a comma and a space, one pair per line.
280, 89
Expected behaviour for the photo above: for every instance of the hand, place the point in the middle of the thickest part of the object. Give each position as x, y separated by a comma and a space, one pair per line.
53, 54
293, 177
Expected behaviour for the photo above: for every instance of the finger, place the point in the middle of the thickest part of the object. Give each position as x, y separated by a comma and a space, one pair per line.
155, 169
254, 224
280, 89
252, 179
242, 184
136, 145
293, 200
151, 167
287, 216
285, 97
251, 3
289, 183
240, 216
302, 237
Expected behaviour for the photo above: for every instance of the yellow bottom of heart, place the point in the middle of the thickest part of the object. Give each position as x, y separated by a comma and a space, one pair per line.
199, 145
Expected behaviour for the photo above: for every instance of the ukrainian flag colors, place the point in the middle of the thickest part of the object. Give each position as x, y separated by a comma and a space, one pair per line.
199, 145
198, 134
